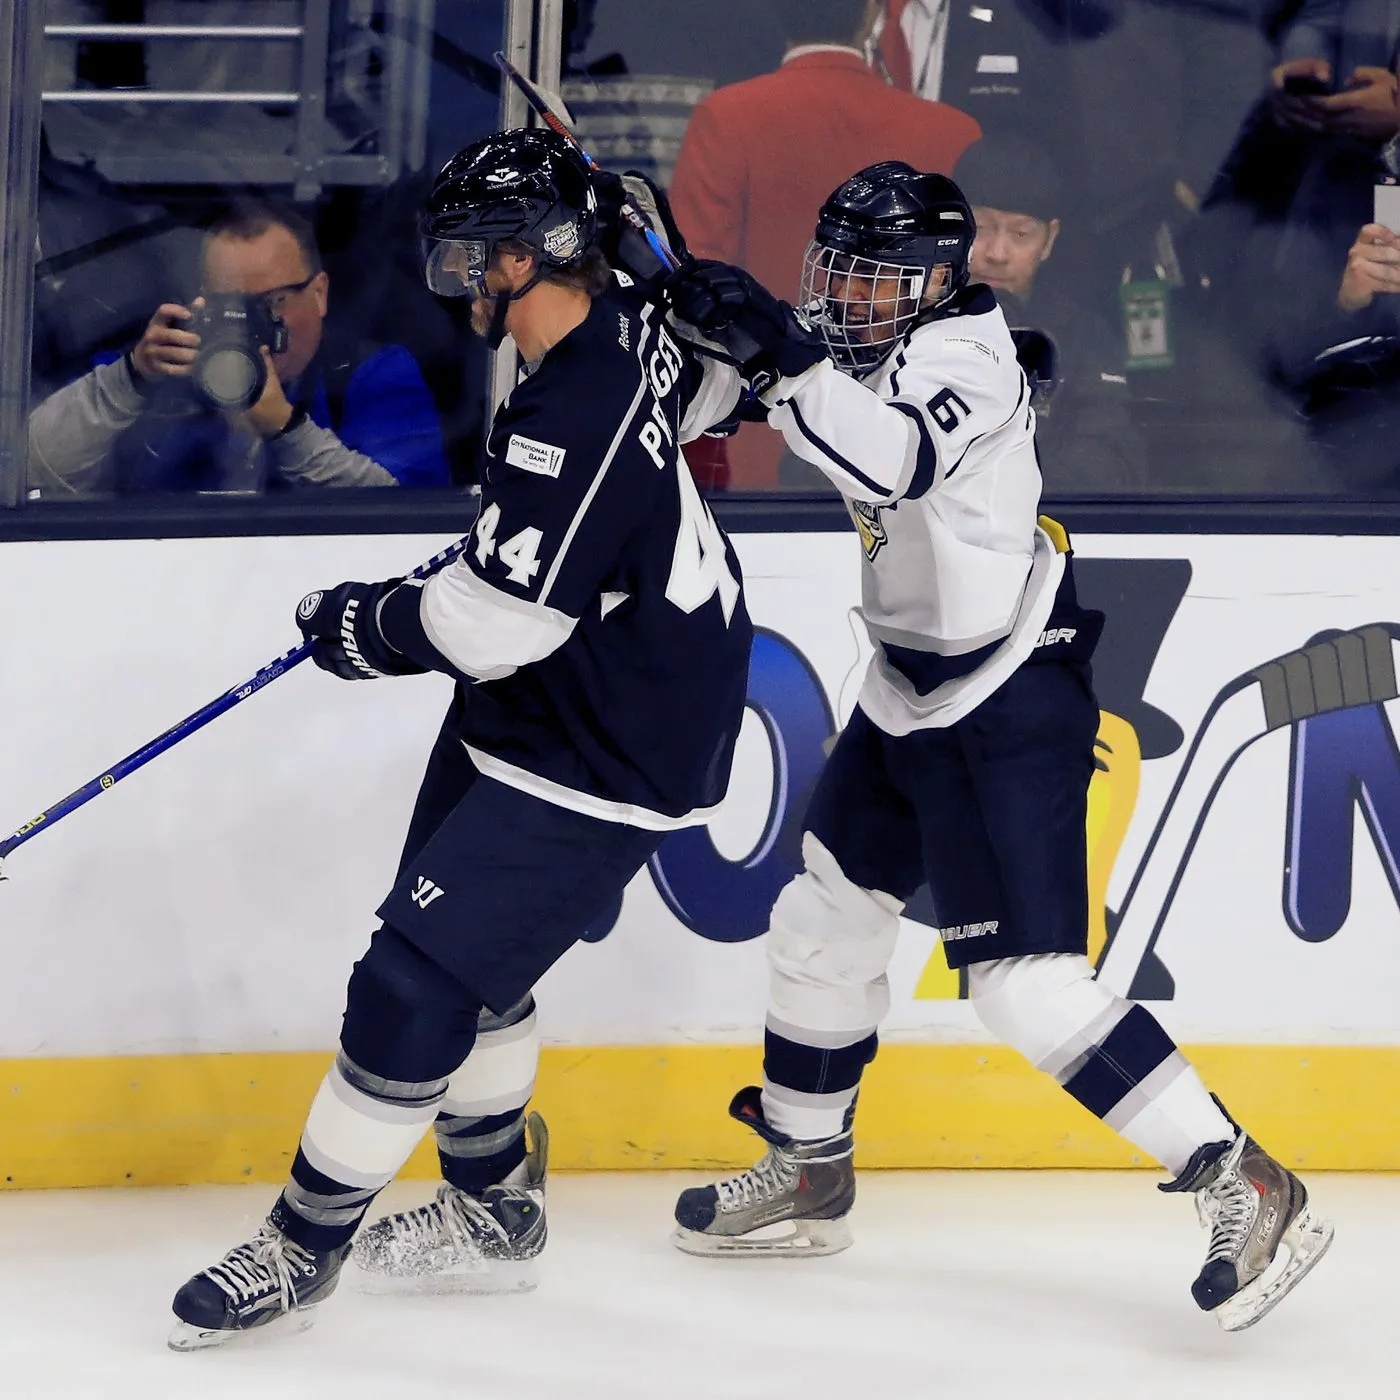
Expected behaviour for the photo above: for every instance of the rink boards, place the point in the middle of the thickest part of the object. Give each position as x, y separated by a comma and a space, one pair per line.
176, 953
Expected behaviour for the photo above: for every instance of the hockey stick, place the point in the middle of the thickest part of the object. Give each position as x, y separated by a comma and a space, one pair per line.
1349, 669
554, 114
181, 731
551, 115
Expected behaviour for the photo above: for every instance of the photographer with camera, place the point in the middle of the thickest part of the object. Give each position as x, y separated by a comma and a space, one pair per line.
242, 390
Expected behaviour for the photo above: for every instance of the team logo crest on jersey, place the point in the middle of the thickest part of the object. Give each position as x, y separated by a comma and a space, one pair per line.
870, 526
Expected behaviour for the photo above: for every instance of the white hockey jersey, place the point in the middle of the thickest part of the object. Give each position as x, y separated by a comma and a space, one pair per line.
934, 452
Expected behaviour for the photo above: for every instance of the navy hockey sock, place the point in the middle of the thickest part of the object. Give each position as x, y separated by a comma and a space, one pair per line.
479, 1152
408, 1025
809, 1091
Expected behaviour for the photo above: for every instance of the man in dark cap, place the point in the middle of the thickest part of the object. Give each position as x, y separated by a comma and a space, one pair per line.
1086, 439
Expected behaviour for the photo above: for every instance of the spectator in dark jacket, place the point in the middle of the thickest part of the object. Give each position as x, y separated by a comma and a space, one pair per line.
329, 416
1084, 435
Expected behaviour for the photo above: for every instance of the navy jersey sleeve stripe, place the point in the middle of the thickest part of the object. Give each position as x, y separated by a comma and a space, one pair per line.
852, 471
926, 461
1020, 399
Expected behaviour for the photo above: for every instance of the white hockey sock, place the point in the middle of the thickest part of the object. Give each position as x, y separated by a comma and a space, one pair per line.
1179, 1119
1108, 1053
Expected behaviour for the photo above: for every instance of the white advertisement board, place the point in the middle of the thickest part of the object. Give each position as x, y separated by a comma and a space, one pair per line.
1243, 838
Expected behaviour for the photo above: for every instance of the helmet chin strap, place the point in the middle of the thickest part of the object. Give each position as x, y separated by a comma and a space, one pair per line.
496, 331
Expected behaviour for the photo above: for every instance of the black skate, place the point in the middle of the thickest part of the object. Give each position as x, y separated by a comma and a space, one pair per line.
269, 1280
460, 1242
795, 1201
1264, 1235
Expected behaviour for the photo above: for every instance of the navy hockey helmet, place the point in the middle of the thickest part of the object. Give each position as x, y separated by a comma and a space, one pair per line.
873, 268
526, 186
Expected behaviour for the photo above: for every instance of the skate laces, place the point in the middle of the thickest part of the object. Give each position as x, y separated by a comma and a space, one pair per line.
771, 1177
455, 1217
250, 1269
1228, 1207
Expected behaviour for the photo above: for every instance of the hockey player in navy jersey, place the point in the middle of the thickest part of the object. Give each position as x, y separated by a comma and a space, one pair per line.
967, 760
597, 630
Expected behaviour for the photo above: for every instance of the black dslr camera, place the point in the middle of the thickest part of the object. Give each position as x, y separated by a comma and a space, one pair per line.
232, 328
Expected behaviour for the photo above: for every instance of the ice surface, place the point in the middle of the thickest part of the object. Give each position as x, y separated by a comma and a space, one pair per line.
966, 1285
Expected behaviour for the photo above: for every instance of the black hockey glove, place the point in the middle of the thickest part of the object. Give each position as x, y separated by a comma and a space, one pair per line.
730, 306
1037, 355
623, 245
342, 625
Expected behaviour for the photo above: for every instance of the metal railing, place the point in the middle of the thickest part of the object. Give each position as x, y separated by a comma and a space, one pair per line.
403, 38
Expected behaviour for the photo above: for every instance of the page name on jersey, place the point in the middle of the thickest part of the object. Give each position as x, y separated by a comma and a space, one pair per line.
663, 370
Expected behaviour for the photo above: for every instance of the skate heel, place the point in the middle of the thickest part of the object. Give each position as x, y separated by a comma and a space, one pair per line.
1304, 1243
803, 1238
186, 1336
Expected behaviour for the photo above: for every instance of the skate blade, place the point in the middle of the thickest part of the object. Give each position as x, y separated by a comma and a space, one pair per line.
500, 1276
798, 1238
1304, 1243
185, 1336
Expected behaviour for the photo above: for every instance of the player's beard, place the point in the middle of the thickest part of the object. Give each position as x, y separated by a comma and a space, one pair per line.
489, 317
483, 309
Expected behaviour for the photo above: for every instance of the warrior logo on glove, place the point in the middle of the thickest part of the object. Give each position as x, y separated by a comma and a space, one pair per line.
342, 625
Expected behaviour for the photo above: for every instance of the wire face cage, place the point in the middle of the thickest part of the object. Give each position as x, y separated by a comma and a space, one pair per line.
860, 306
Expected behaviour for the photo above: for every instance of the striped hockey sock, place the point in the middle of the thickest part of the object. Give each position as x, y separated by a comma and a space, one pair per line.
481, 1121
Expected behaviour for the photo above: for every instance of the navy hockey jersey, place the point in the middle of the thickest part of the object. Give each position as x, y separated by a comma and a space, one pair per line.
598, 608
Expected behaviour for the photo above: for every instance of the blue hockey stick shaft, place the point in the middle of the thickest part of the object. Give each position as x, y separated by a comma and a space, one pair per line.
190, 725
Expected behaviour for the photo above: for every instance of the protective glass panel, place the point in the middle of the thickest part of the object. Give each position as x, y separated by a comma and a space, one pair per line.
230, 299
1160, 191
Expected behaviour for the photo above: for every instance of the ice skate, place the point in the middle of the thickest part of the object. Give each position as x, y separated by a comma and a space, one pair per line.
268, 1286
1264, 1234
795, 1201
461, 1242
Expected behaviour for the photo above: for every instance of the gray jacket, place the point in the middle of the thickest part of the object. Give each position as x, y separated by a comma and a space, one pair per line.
73, 432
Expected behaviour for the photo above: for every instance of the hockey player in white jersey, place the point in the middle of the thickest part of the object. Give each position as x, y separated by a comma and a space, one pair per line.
967, 760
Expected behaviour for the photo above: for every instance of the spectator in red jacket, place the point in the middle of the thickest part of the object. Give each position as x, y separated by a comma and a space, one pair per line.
759, 158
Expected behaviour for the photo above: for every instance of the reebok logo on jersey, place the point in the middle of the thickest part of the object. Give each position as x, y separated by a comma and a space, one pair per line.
1053, 635
542, 458
624, 331
958, 931
424, 892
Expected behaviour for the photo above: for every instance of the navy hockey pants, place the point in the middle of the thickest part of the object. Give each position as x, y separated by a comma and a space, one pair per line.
990, 810
495, 885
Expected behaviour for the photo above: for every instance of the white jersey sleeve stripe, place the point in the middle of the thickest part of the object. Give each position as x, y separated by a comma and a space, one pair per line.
484, 633
643, 388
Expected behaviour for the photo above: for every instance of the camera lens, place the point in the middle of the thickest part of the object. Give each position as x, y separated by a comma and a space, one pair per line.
230, 376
